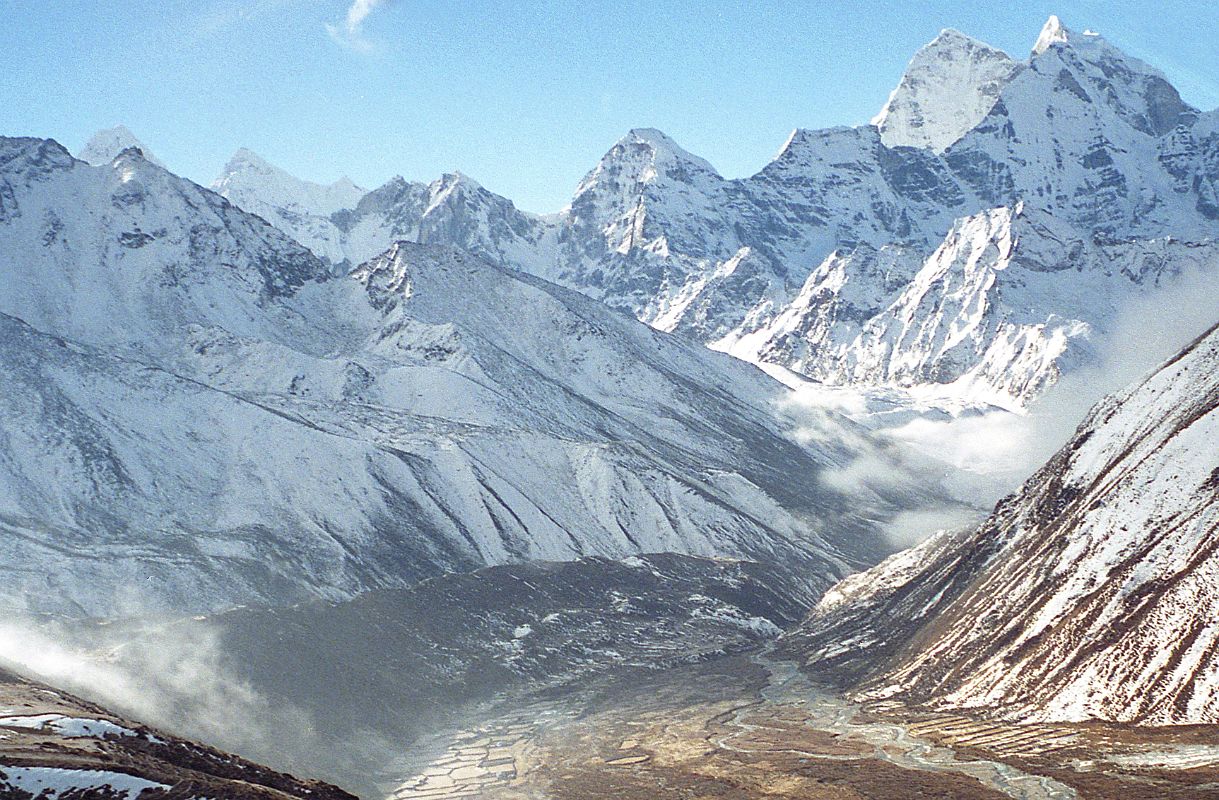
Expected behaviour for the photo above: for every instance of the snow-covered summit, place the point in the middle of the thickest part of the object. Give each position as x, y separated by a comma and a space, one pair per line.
300, 207
1080, 134
105, 146
449, 184
1053, 32
666, 150
647, 156
248, 175
1138, 92
949, 86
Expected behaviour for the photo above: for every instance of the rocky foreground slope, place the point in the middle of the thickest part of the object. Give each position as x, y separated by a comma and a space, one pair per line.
980, 238
1092, 593
54, 746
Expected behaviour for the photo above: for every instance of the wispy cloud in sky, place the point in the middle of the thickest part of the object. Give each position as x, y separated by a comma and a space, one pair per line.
350, 33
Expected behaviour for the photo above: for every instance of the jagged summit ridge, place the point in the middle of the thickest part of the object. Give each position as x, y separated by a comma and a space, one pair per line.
1080, 134
645, 157
666, 150
248, 173
255, 185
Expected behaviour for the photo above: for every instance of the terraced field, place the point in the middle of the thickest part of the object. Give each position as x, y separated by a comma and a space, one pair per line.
481, 761
1003, 740
747, 727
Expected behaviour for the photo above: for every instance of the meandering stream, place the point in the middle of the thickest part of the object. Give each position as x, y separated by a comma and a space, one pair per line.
893, 742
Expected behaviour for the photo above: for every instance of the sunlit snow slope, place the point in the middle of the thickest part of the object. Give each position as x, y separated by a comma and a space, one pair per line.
197, 414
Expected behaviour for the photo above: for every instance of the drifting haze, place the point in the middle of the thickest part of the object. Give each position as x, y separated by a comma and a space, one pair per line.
978, 457
181, 680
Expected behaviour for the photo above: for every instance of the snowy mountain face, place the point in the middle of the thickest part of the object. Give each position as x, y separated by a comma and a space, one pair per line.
843, 258
949, 87
128, 255
206, 416
957, 241
974, 313
1090, 594
304, 208
347, 225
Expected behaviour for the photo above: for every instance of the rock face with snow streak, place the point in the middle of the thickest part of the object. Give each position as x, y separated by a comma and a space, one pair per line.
55, 745
974, 313
1090, 594
204, 415
842, 258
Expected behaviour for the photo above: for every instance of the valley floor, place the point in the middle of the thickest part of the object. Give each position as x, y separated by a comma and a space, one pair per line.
747, 727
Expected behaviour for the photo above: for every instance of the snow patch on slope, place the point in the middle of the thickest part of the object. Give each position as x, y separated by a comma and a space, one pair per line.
51, 782
1089, 594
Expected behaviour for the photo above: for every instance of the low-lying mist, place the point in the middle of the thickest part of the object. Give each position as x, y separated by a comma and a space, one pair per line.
979, 457
178, 677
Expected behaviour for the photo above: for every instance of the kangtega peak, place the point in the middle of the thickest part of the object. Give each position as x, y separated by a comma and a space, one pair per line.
952, 83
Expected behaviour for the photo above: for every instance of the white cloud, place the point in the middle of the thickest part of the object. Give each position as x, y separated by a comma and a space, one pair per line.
1009, 447
173, 681
979, 456
350, 33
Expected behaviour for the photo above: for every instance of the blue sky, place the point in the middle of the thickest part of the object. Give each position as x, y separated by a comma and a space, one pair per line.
523, 96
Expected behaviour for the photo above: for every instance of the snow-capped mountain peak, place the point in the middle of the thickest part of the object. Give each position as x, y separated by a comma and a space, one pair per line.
129, 163
106, 145
1092, 140
645, 155
253, 184
665, 148
1053, 32
244, 156
453, 180
948, 88
245, 160
952, 36
247, 173
1101, 77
